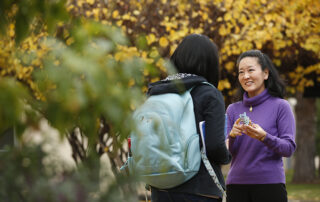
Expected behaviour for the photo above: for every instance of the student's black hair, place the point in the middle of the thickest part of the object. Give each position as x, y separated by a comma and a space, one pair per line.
274, 84
197, 54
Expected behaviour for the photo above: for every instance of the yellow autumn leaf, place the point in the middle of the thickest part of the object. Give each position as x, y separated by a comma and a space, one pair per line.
229, 66
115, 14
105, 11
131, 82
224, 84
91, 2
146, 72
173, 35
143, 54
258, 44
263, 1
236, 14
96, 13
126, 17
154, 53
309, 83
136, 12
173, 48
220, 86
223, 31
277, 62
11, 30
155, 79
149, 60
268, 17
144, 89
69, 41
204, 16
163, 42
70, 7
151, 38
119, 22
56, 63
227, 16
194, 14
132, 106
118, 56
227, 84
88, 13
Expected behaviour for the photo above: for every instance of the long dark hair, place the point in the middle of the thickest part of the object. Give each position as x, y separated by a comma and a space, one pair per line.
274, 84
197, 54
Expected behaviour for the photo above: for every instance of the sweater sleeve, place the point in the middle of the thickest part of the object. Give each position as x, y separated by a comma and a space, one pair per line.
283, 144
214, 115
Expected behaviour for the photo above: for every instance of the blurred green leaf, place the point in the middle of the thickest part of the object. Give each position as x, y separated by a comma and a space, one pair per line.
12, 101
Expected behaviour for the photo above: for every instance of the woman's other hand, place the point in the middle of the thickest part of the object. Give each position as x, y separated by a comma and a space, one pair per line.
236, 129
255, 131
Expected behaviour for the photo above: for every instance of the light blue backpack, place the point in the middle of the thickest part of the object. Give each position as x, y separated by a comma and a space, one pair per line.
165, 147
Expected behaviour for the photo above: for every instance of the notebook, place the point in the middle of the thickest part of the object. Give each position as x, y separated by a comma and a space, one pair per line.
202, 127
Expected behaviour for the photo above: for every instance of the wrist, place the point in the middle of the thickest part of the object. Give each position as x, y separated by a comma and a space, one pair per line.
231, 135
263, 137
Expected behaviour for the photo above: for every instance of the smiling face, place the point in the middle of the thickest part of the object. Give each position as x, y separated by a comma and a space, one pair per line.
251, 76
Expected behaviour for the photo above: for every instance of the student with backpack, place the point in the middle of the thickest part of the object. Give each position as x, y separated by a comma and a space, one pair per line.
197, 63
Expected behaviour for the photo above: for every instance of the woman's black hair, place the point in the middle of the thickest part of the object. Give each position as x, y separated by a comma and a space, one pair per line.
274, 84
197, 54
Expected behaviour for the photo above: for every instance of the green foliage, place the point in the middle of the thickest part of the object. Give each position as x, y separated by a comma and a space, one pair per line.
88, 83
14, 110
11, 112
74, 81
27, 179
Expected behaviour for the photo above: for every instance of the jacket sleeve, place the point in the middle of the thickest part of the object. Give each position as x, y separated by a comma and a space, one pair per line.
214, 116
284, 143
231, 121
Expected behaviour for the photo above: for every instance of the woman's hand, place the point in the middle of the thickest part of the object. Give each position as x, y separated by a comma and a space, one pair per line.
254, 131
236, 129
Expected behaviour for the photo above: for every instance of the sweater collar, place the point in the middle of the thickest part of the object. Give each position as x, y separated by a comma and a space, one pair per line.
256, 100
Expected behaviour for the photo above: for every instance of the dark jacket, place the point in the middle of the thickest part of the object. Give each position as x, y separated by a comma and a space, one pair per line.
208, 106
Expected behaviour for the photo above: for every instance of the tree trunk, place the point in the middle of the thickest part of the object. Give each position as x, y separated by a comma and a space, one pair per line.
304, 167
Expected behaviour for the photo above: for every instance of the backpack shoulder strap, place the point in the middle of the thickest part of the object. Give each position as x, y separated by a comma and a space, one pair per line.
207, 83
204, 155
200, 84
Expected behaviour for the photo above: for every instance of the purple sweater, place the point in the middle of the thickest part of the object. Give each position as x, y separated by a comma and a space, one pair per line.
255, 162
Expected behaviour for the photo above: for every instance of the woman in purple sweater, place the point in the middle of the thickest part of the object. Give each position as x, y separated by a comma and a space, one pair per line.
257, 146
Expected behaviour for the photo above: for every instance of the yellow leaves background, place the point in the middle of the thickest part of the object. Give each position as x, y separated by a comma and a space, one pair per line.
288, 31
19, 60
